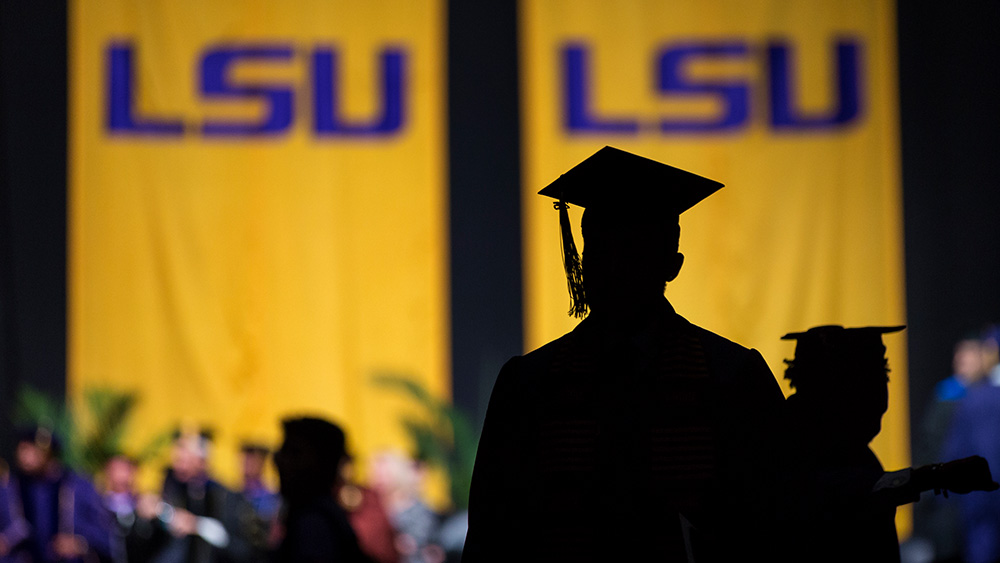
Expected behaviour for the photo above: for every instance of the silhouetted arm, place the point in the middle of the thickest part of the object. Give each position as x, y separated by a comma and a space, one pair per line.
896, 488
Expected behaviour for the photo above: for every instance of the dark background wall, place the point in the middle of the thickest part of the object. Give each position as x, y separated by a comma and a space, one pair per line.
950, 123
949, 79
485, 177
32, 201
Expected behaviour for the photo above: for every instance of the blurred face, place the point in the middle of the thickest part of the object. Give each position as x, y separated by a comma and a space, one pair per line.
968, 361
31, 460
188, 462
253, 464
393, 472
120, 475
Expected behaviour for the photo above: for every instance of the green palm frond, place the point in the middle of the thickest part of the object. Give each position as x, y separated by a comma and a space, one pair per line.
107, 416
91, 435
34, 407
154, 446
446, 437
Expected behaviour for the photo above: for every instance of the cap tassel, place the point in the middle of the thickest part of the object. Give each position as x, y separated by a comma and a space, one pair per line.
572, 264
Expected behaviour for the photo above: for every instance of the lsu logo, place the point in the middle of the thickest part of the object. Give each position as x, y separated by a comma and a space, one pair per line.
732, 94
216, 83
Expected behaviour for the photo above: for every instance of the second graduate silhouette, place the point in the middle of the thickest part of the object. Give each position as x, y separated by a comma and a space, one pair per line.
841, 502
638, 435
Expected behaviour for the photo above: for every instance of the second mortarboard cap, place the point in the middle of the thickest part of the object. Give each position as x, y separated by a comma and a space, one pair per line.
833, 339
833, 344
615, 180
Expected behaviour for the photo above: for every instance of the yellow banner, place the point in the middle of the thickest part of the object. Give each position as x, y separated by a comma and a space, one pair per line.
792, 105
258, 212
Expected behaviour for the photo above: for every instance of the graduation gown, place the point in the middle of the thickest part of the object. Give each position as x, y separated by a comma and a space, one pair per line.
606, 444
34, 509
211, 499
842, 503
974, 432
319, 531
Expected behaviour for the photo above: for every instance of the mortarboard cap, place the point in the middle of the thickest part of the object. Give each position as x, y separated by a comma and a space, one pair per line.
613, 177
615, 180
832, 344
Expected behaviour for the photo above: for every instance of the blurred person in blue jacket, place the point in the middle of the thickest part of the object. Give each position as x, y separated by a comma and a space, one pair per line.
936, 520
975, 429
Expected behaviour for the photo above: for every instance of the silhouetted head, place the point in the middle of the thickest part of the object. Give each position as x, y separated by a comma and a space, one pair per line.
627, 260
310, 457
630, 227
842, 374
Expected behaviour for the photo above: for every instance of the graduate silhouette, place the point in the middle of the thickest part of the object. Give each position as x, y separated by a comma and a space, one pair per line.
842, 503
637, 436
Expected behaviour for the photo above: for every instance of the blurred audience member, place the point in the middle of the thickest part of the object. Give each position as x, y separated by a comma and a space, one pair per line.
316, 527
138, 533
936, 519
974, 430
264, 501
398, 479
207, 521
48, 512
368, 517
119, 486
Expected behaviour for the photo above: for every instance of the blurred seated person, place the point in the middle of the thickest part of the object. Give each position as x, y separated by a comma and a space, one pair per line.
207, 522
368, 517
316, 528
842, 502
120, 496
265, 502
398, 480
47, 511
139, 533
